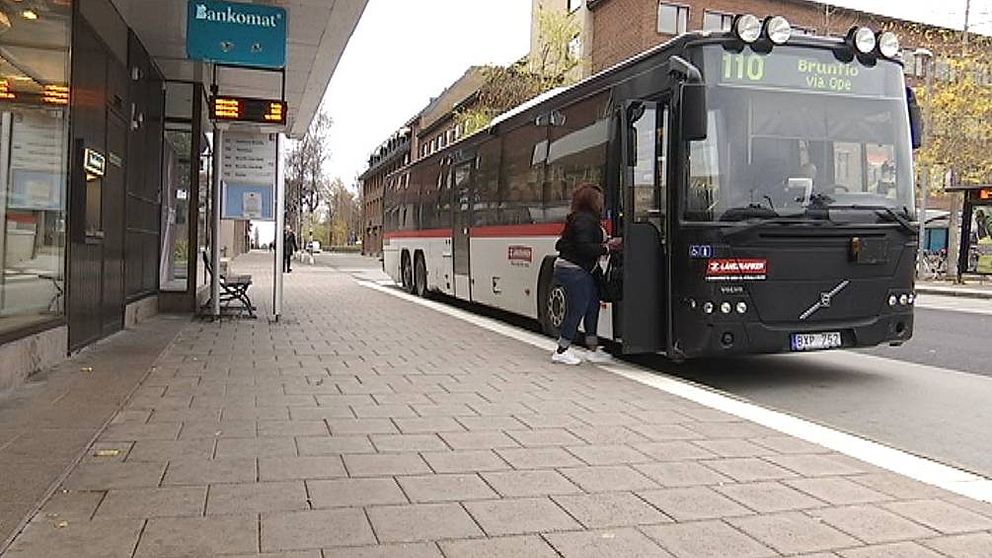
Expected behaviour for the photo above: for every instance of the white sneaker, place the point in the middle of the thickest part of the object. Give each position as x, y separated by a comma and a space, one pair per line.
599, 356
568, 357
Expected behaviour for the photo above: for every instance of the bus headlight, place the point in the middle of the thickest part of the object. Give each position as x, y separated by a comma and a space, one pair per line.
893, 300
742, 307
778, 30
707, 308
726, 308
888, 44
904, 300
912, 298
862, 39
747, 27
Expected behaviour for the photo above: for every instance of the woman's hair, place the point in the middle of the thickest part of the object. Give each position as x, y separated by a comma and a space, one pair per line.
587, 198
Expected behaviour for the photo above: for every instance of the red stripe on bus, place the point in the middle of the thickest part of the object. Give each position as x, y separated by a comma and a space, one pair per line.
539, 229
495, 231
426, 233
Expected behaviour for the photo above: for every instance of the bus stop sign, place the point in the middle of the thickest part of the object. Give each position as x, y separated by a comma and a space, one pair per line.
236, 34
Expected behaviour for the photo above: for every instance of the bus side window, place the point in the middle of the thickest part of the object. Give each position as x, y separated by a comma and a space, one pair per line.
650, 168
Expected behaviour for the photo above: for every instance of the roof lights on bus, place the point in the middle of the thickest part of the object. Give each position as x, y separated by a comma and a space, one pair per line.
862, 39
778, 30
888, 44
747, 27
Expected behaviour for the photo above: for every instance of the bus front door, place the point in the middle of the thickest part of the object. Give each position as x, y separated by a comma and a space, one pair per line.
643, 309
462, 204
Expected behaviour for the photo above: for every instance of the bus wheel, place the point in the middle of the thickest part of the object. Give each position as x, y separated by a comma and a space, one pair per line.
407, 273
419, 275
553, 307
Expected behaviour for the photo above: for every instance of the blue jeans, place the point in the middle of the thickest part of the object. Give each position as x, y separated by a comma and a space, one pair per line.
582, 296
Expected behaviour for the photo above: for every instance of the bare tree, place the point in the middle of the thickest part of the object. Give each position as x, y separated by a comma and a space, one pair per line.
305, 172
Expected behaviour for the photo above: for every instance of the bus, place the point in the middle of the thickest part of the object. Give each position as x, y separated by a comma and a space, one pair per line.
762, 183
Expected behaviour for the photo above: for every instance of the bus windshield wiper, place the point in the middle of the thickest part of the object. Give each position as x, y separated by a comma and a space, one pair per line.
903, 222
781, 221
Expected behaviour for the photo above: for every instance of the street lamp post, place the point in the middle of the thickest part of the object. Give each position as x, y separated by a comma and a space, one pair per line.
927, 57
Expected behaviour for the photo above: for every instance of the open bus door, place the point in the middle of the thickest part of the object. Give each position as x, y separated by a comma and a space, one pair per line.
643, 185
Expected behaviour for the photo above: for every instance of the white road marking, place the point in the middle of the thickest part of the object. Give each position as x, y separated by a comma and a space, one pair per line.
955, 304
915, 467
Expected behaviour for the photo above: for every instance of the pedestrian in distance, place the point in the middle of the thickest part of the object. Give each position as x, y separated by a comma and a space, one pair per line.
288, 248
582, 243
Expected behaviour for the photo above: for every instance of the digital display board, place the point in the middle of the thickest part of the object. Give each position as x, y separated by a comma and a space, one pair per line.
245, 109
803, 69
985, 194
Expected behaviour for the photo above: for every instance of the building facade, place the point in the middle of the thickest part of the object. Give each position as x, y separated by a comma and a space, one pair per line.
432, 129
81, 145
393, 154
106, 158
624, 28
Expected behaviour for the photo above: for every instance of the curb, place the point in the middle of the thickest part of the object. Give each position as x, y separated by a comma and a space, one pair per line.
951, 291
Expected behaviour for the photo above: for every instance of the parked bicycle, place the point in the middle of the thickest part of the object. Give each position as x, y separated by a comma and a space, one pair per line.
932, 265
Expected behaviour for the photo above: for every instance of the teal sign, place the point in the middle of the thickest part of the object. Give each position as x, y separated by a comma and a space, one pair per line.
235, 33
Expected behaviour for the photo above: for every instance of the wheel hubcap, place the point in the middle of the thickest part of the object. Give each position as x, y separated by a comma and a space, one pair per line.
556, 306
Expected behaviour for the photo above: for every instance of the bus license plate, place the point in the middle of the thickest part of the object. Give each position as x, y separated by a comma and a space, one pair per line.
815, 341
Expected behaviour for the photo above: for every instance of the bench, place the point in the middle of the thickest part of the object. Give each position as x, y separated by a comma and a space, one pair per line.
233, 289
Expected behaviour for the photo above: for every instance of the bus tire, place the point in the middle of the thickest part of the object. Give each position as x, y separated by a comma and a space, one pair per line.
406, 272
554, 301
419, 275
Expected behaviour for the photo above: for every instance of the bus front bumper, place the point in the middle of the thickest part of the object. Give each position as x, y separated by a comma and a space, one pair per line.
724, 339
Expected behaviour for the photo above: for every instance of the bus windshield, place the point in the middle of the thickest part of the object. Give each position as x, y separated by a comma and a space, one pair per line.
797, 129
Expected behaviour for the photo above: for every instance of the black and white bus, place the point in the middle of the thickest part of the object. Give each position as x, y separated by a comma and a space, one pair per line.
762, 182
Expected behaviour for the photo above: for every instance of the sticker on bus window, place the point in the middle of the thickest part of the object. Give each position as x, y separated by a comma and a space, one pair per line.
520, 254
700, 251
737, 269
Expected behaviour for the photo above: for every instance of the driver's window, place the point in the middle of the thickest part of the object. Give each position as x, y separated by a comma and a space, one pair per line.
650, 168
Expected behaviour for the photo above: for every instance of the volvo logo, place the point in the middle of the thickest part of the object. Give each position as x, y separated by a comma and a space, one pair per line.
825, 300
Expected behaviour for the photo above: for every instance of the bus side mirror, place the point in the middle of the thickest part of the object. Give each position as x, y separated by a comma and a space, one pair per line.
694, 114
915, 119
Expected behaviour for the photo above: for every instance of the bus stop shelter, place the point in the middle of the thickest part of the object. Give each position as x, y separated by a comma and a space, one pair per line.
975, 252
316, 34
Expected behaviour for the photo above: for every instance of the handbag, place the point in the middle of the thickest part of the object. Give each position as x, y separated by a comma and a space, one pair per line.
609, 283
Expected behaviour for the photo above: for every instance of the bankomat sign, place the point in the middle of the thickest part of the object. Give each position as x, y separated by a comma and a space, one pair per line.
236, 34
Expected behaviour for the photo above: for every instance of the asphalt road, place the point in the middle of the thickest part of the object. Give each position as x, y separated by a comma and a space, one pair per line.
931, 396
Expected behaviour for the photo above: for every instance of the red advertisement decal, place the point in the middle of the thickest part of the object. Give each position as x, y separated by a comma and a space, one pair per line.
520, 254
737, 267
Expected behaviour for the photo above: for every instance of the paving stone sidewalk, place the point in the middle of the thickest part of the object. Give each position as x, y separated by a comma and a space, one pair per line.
363, 425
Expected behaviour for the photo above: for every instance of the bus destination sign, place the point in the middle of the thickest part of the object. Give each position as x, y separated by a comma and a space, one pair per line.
245, 109
809, 71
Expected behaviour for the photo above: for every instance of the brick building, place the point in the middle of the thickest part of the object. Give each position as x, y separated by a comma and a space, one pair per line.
623, 28
391, 155
432, 129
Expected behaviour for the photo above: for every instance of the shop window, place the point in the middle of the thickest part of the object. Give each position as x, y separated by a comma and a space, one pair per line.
34, 147
176, 161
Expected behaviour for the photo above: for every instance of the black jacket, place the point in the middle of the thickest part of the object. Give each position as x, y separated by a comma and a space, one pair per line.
289, 243
582, 241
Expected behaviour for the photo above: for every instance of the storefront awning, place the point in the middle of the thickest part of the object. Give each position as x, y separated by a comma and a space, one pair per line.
318, 32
